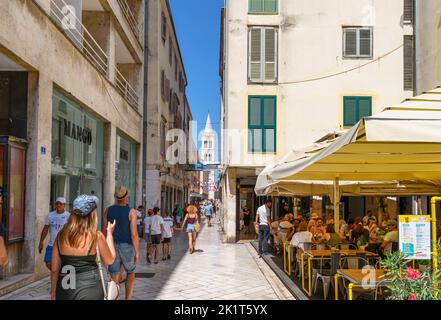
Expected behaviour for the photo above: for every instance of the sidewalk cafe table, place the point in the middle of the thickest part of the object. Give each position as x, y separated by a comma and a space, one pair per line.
360, 278
326, 254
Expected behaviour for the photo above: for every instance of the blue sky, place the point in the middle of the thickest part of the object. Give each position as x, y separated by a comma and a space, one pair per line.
197, 25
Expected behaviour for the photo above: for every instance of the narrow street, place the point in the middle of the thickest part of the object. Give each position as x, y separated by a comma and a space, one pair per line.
214, 271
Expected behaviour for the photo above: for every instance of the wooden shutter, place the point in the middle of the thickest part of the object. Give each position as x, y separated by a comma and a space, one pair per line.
349, 111
365, 42
170, 51
409, 63
364, 107
167, 90
255, 54
350, 41
255, 6
163, 85
270, 54
163, 27
270, 6
409, 9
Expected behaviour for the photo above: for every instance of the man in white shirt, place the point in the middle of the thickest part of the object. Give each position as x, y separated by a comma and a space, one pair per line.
263, 218
156, 232
390, 237
168, 234
55, 221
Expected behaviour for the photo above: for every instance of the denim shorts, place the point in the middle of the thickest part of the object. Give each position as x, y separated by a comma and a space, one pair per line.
190, 228
125, 256
48, 254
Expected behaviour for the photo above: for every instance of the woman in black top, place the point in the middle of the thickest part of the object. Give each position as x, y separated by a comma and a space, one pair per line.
359, 235
75, 253
246, 218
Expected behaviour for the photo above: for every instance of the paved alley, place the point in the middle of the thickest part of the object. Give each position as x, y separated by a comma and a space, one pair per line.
214, 271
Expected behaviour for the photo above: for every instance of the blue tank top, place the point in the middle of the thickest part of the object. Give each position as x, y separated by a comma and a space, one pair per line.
122, 233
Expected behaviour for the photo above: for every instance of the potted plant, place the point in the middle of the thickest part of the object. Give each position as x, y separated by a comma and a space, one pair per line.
361, 244
407, 283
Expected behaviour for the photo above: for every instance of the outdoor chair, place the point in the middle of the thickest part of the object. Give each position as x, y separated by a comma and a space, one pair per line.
354, 262
327, 275
306, 246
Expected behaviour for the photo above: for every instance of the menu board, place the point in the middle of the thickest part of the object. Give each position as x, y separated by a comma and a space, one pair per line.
415, 237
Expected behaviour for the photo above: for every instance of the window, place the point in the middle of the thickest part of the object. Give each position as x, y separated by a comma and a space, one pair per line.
170, 52
181, 83
163, 85
205, 144
162, 137
163, 27
355, 108
357, 42
409, 63
262, 6
408, 13
262, 124
262, 54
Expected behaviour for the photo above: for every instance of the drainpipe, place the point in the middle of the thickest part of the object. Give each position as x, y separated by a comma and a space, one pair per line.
144, 118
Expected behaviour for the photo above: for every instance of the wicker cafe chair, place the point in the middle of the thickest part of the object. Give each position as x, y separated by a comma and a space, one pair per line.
327, 275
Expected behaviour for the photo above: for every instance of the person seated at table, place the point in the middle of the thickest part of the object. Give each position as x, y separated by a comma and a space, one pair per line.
331, 237
390, 237
313, 221
373, 229
384, 221
295, 228
299, 216
299, 238
285, 228
359, 235
318, 231
346, 228
330, 219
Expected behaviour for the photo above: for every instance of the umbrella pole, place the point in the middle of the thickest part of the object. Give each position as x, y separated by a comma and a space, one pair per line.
336, 202
433, 202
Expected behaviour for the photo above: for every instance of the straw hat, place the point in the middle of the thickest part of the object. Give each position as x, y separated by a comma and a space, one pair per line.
121, 193
314, 216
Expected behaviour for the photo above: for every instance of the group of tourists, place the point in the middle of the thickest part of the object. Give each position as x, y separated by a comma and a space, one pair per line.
75, 244
363, 233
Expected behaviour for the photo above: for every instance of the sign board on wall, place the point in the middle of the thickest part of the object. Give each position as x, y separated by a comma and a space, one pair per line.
415, 236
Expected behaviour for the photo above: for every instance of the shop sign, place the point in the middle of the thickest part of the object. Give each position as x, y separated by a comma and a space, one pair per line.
78, 133
415, 237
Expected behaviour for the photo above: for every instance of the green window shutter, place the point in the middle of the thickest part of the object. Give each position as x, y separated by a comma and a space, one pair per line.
364, 107
269, 112
255, 55
270, 6
270, 54
255, 6
349, 111
262, 123
255, 112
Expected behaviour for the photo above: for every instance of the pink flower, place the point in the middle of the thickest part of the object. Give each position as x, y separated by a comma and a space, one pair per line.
413, 274
412, 297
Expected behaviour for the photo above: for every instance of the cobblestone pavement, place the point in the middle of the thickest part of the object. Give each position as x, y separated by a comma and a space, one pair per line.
215, 271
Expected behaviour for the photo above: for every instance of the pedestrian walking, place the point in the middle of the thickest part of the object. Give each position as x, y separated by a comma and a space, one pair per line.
156, 232
168, 234
75, 273
191, 218
126, 239
147, 237
54, 223
208, 213
246, 218
3, 251
263, 218
139, 214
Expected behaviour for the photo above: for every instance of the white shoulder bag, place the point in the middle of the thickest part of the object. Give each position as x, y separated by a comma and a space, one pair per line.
111, 291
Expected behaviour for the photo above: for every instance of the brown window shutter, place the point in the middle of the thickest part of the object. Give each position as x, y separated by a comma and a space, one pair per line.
409, 11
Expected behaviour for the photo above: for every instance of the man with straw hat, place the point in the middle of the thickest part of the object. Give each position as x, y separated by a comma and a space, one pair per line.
125, 237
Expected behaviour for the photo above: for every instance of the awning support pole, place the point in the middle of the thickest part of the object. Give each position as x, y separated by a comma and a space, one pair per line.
336, 202
433, 202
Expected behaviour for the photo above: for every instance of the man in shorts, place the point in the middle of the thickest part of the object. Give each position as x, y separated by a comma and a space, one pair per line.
209, 213
168, 234
126, 239
156, 232
146, 234
55, 221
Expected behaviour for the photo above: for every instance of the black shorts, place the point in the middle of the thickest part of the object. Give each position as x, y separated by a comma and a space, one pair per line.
156, 238
166, 240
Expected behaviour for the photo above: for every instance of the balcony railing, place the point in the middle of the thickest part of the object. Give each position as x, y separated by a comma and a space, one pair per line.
61, 13
130, 17
126, 89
